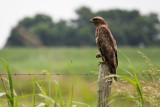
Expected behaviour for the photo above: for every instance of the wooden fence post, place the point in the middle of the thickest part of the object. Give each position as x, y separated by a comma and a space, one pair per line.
104, 86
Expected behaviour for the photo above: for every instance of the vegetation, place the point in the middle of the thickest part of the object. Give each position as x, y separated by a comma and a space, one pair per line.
82, 60
13, 98
128, 27
47, 92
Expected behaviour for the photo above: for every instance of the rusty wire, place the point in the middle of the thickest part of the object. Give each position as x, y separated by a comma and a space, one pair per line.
18, 74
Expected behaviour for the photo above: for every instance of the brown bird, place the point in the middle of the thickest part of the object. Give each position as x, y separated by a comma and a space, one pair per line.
106, 44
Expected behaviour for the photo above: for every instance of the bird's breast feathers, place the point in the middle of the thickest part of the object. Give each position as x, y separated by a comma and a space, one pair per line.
96, 40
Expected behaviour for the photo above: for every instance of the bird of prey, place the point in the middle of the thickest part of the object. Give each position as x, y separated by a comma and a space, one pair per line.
106, 44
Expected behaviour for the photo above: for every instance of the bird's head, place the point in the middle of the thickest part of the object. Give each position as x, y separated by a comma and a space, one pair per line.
98, 21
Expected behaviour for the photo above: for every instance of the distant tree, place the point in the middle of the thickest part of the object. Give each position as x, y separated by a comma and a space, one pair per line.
84, 30
38, 19
14, 39
31, 27
128, 28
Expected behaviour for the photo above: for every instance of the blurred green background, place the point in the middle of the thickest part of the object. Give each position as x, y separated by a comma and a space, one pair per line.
71, 60
79, 60
38, 43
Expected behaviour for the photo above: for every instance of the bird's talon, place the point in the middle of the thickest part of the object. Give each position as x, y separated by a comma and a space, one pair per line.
101, 63
98, 55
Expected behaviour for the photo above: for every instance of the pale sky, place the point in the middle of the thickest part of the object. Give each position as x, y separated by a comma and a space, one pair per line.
11, 11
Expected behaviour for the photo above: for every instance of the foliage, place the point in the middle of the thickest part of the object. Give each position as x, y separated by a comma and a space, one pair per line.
54, 59
12, 97
132, 88
128, 27
13, 102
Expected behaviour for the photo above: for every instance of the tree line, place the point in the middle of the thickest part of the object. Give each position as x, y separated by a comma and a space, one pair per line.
128, 28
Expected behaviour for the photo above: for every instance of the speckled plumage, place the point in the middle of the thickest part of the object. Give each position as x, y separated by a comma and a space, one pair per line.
105, 43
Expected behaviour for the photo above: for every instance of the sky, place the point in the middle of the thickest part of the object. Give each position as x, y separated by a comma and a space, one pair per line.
12, 11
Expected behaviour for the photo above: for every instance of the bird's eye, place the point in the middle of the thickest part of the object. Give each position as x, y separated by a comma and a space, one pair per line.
95, 19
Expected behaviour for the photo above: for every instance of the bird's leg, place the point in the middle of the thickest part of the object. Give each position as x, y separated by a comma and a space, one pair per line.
104, 62
98, 55
101, 63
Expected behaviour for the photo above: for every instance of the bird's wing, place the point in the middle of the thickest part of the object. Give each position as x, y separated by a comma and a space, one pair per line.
107, 53
105, 32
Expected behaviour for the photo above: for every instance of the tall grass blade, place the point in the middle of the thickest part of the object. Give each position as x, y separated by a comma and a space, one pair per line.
41, 89
10, 82
61, 97
16, 102
111, 97
123, 96
43, 93
130, 74
34, 93
70, 99
136, 82
49, 86
7, 95
84, 104
139, 90
129, 80
46, 97
56, 94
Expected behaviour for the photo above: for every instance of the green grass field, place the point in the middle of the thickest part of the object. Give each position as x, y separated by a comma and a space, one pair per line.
81, 60
71, 60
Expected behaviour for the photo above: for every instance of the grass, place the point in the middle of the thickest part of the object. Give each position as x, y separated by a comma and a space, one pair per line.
68, 90
83, 60
12, 97
147, 91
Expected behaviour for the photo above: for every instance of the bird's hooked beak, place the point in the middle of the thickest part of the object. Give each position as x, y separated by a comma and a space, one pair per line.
91, 21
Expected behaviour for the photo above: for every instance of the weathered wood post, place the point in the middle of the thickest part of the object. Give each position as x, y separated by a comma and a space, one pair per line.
104, 86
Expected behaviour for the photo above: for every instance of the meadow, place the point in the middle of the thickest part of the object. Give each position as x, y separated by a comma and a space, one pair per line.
82, 60
73, 60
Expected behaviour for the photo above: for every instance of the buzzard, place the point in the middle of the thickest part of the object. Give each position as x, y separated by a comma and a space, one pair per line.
106, 44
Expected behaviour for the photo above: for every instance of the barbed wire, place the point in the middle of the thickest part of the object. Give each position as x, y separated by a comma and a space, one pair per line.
43, 74
18, 74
